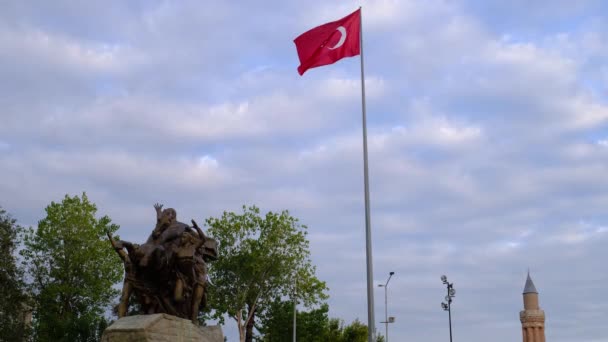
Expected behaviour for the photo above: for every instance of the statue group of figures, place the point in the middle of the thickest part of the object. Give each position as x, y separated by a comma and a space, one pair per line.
168, 273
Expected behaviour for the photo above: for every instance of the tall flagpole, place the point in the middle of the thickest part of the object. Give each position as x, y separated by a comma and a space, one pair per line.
371, 327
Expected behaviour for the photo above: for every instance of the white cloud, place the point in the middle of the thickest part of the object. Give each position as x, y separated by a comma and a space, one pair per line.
40, 48
440, 131
351, 88
207, 161
578, 233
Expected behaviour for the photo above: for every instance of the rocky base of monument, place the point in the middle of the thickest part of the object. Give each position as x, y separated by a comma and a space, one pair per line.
160, 328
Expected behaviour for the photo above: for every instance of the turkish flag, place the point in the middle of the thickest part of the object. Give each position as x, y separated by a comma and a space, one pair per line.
328, 43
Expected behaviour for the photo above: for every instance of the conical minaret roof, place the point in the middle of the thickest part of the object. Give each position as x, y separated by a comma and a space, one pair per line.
529, 287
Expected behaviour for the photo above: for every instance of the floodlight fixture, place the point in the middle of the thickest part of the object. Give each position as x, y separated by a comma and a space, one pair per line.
451, 292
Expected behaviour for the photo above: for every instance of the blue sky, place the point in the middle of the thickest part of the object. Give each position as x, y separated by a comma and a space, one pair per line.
488, 141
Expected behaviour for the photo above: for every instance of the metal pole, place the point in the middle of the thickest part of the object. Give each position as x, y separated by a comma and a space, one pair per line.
386, 322
448, 307
295, 304
450, 319
295, 308
368, 231
450, 311
386, 313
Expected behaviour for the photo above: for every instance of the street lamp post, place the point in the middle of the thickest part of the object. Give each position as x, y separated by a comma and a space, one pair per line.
386, 321
448, 307
295, 306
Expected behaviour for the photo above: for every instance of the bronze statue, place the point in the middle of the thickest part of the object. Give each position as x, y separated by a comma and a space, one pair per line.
168, 273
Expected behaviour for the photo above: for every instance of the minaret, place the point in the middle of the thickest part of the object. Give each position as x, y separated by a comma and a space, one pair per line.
532, 317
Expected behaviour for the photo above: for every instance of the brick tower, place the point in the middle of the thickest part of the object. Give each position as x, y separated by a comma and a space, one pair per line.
532, 317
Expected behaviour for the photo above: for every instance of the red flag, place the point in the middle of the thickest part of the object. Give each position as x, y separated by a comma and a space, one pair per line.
328, 43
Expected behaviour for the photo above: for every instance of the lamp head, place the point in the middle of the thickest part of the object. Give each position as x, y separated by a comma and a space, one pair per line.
444, 278
391, 273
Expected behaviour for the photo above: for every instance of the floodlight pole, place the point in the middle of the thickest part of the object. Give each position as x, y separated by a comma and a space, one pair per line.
451, 293
449, 313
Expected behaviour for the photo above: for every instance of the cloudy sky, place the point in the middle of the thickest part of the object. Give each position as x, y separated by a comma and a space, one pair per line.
488, 141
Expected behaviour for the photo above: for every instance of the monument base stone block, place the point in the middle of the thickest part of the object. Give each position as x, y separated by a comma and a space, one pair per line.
160, 328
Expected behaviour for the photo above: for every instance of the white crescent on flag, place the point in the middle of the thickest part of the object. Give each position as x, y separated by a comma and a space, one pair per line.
342, 38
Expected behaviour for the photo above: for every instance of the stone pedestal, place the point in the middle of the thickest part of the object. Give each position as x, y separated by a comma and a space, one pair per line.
160, 328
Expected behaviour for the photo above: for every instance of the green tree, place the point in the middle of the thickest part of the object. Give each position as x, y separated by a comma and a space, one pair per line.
312, 325
14, 305
334, 330
261, 257
73, 269
277, 323
355, 332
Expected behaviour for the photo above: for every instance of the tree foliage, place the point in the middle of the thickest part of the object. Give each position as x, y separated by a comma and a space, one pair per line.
354, 332
313, 326
73, 269
261, 258
14, 304
277, 323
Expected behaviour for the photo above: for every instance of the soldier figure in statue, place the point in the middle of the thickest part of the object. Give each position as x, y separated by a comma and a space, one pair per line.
168, 273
